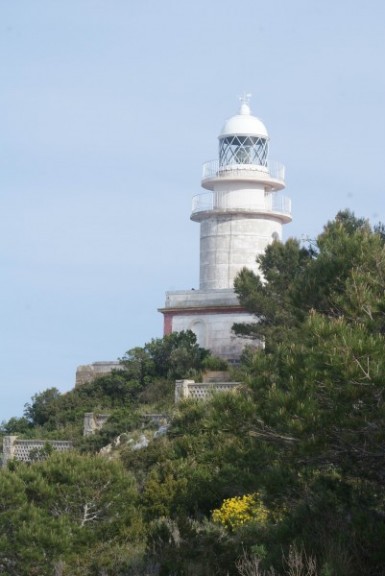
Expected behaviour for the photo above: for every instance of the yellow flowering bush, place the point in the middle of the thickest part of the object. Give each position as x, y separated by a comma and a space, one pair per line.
240, 510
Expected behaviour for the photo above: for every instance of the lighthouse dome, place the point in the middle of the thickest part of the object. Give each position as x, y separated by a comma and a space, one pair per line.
243, 140
244, 124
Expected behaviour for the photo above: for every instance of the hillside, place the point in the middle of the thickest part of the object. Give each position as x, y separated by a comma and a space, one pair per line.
283, 476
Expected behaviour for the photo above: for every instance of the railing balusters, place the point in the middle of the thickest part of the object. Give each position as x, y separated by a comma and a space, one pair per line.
212, 169
273, 202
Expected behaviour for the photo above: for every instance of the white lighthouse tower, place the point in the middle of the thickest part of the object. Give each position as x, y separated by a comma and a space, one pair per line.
241, 212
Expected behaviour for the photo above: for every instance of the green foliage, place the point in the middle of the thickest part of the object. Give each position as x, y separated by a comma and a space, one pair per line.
57, 510
215, 363
317, 389
41, 453
339, 274
306, 430
176, 355
318, 386
187, 546
146, 377
15, 426
273, 300
121, 421
43, 406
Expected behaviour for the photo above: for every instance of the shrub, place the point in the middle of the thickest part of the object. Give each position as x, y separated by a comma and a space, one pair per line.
240, 510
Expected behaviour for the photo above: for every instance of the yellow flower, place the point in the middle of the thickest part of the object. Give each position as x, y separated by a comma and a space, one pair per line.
239, 510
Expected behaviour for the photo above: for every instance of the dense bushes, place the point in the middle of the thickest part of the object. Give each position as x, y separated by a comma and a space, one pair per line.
282, 477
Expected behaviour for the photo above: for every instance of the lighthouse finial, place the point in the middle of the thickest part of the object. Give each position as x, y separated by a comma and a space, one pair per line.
245, 103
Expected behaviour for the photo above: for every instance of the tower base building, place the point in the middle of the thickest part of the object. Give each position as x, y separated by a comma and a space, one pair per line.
240, 214
210, 314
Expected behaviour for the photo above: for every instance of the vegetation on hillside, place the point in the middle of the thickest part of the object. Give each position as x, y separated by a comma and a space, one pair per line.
143, 383
282, 477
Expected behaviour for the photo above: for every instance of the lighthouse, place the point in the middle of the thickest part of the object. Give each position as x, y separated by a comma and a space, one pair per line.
240, 213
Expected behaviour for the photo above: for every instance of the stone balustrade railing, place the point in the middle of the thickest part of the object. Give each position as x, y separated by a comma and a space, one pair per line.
185, 389
20, 449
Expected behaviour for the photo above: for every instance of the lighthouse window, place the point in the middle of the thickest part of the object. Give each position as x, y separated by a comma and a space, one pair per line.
243, 150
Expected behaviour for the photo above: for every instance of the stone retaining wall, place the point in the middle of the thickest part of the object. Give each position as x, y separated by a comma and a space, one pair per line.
88, 372
93, 422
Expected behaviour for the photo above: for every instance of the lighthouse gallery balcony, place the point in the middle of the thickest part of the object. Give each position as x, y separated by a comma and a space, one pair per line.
216, 202
271, 174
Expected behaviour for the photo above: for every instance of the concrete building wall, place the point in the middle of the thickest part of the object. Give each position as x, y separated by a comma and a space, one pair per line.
214, 331
210, 314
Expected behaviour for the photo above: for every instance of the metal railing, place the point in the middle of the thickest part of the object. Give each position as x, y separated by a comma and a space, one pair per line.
271, 203
274, 169
202, 202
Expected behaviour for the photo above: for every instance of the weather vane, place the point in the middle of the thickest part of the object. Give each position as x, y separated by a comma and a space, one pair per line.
245, 98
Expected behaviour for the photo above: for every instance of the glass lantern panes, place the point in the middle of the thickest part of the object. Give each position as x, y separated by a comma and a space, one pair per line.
243, 150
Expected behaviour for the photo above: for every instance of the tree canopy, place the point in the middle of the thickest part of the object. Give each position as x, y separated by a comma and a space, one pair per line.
282, 477
339, 275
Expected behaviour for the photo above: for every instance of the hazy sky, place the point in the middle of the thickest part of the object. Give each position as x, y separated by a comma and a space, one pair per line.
108, 110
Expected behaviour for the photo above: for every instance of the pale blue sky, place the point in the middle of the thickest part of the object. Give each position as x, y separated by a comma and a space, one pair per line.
108, 110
